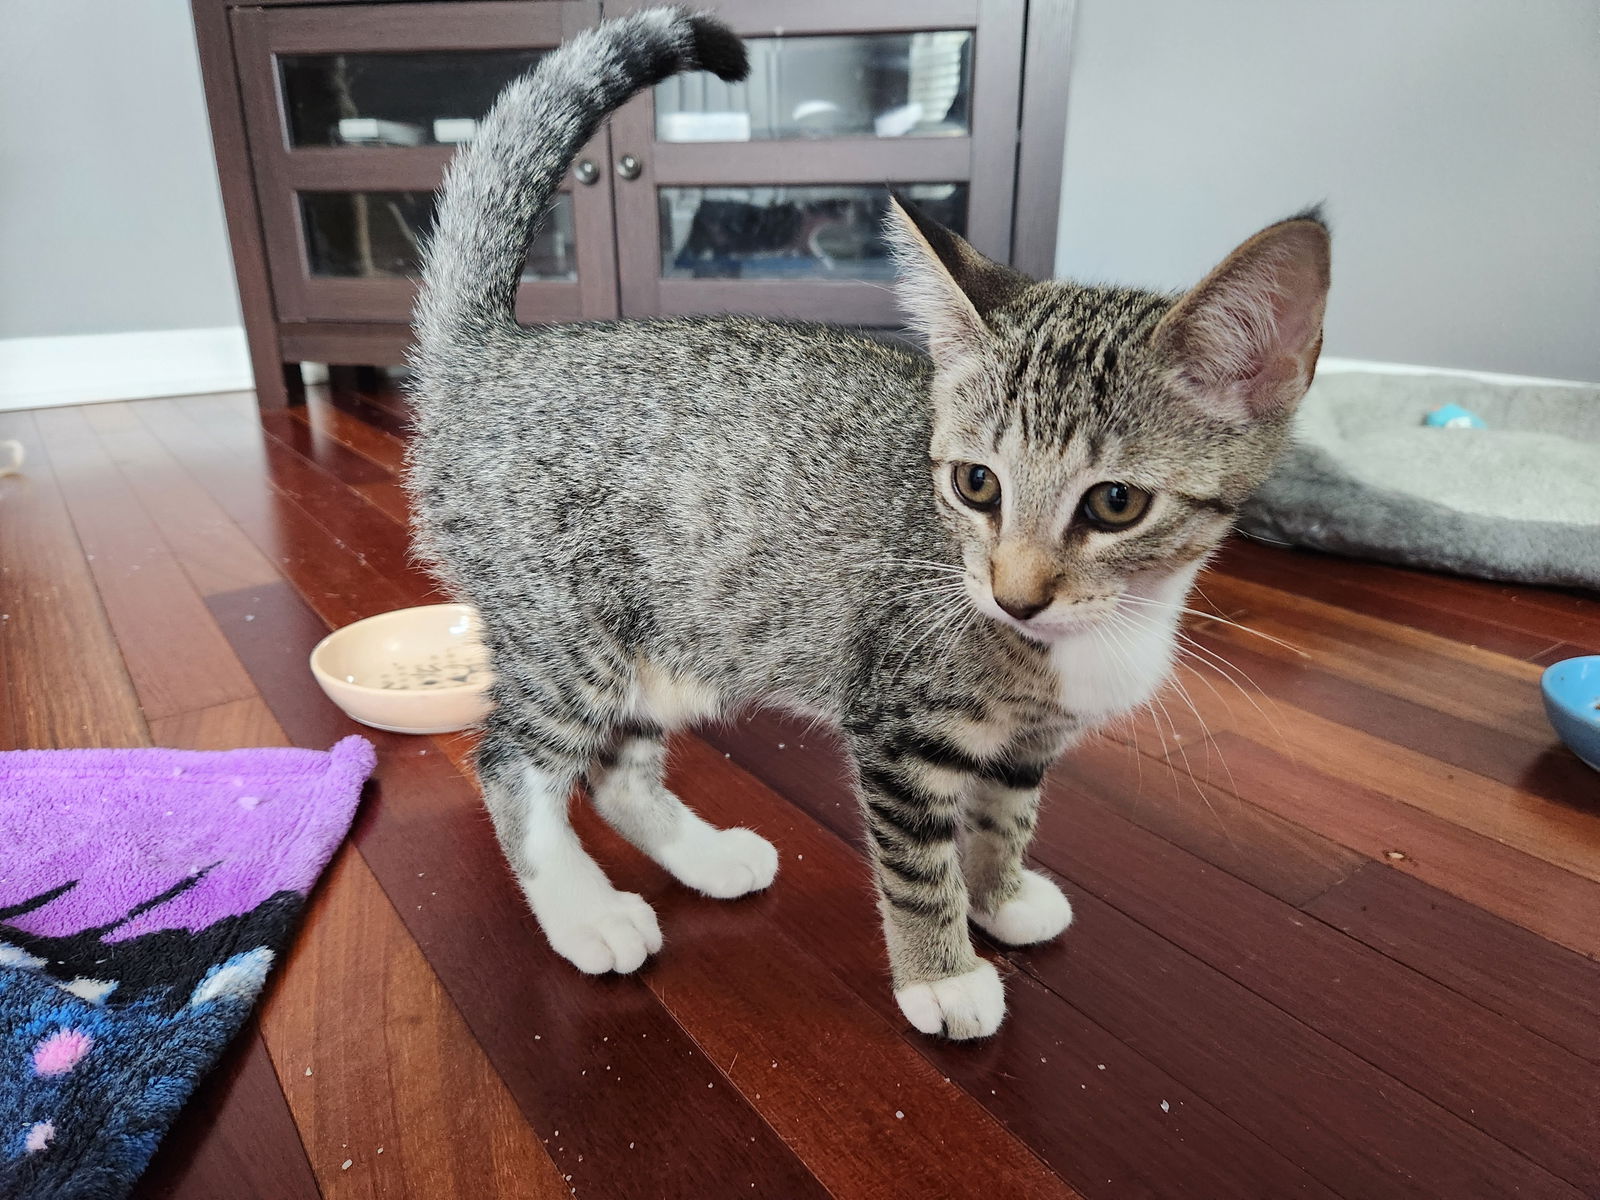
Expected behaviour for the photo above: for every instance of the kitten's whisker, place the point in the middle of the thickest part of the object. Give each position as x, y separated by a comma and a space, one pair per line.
1205, 616
1206, 598
925, 563
923, 620
1133, 725
1166, 756
943, 622
972, 617
1202, 655
929, 586
939, 617
930, 564
1226, 669
1185, 655
1211, 746
1124, 622
1122, 650
1217, 663
1183, 752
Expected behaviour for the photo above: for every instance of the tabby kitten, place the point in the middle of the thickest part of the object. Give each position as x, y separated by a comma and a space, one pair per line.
964, 560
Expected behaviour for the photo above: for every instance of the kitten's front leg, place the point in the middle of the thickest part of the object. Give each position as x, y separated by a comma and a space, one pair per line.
1009, 902
912, 801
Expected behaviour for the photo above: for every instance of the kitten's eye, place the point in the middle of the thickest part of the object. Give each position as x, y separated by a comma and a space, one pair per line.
977, 486
1113, 506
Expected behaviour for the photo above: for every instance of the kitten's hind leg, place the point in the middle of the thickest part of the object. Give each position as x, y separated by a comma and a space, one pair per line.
527, 782
625, 782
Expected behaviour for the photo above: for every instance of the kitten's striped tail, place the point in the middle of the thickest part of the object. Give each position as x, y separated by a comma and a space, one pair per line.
496, 189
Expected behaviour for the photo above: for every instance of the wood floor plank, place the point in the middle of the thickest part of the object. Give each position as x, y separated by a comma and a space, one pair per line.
1084, 1101
1281, 858
381, 1071
795, 1039
1558, 652
1359, 1130
1543, 803
317, 447
1515, 1086
1402, 610
228, 726
1518, 974
350, 430
65, 677
1473, 684
9, 737
387, 418
1363, 813
235, 1137
214, 551
339, 584
388, 498
149, 600
384, 394
372, 482
1477, 612
1540, 766
377, 538
545, 1027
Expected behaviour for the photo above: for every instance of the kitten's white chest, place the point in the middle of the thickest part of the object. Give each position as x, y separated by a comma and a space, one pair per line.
1105, 675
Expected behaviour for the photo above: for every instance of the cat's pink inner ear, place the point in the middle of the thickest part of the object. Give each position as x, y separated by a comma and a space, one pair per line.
944, 285
1244, 342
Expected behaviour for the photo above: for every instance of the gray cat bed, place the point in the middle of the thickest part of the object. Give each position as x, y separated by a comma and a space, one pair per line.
1519, 500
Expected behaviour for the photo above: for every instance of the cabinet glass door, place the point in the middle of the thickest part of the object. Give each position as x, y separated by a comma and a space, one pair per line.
354, 113
768, 195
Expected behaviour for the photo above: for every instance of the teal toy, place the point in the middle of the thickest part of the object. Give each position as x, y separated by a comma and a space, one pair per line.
1453, 416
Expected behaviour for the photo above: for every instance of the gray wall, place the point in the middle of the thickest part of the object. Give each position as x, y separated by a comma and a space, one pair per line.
109, 215
1455, 142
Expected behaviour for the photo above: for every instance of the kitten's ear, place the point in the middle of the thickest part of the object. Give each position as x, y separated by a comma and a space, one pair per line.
945, 286
1244, 342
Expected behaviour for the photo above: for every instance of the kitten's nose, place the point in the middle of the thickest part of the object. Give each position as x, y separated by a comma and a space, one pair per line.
1022, 578
1022, 609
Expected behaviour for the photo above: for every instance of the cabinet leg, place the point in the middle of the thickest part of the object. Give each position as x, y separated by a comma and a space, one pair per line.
294, 384
279, 386
361, 380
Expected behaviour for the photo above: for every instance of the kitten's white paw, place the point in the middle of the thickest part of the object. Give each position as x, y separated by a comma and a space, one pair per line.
1037, 913
722, 862
962, 1006
599, 932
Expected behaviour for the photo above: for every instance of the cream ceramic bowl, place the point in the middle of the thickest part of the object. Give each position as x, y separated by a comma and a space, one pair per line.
415, 670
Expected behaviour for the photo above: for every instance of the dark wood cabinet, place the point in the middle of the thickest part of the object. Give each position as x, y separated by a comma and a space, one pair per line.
333, 123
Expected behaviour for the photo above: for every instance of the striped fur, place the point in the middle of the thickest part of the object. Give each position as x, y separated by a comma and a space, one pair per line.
664, 522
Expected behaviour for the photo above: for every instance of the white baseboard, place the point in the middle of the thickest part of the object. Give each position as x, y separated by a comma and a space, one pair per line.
45, 372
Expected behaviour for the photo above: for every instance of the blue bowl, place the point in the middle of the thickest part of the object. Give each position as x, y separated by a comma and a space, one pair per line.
1572, 702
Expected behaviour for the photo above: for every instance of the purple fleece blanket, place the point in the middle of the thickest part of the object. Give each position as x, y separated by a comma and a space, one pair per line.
144, 895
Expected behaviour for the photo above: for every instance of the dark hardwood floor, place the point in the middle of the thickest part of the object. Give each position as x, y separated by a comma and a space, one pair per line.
1338, 901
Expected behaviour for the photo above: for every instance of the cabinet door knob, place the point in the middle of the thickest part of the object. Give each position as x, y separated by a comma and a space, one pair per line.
586, 171
629, 167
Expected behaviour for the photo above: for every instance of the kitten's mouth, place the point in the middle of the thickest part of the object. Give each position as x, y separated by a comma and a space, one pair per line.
1055, 623
1055, 628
